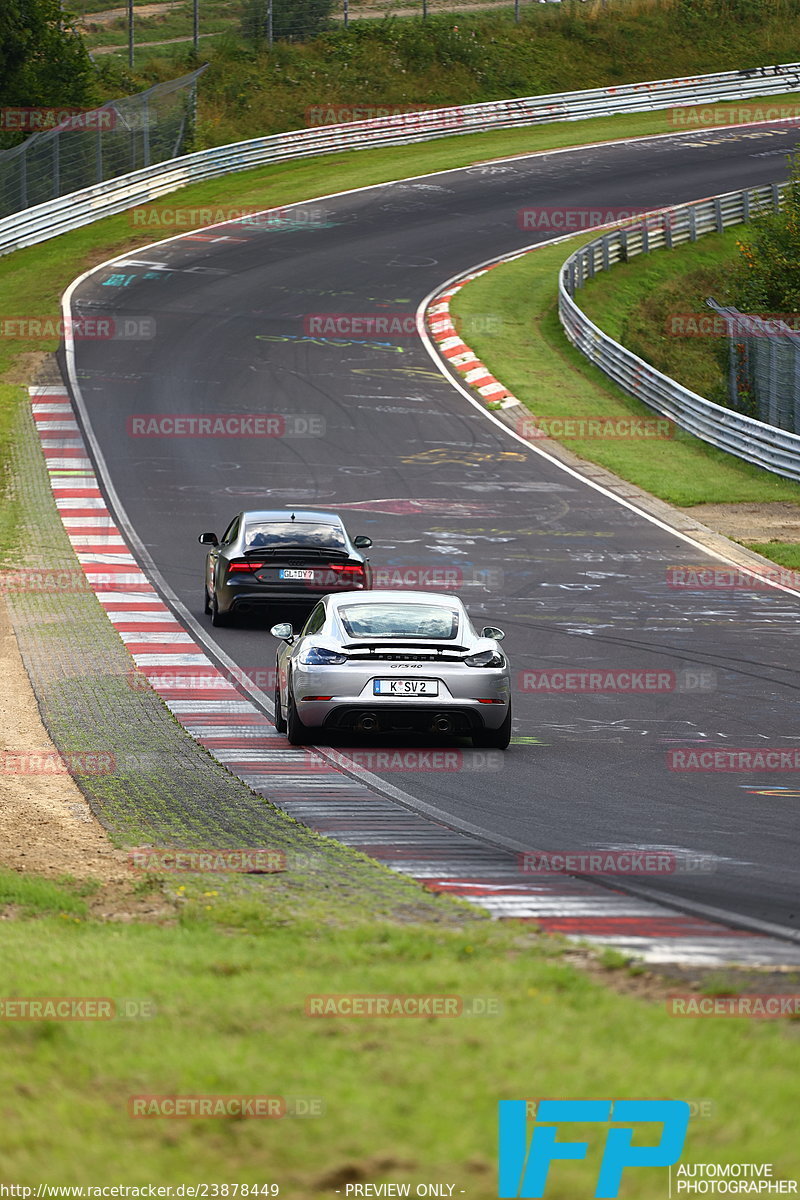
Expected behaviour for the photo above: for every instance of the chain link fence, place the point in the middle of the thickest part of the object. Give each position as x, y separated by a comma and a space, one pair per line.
97, 145
763, 367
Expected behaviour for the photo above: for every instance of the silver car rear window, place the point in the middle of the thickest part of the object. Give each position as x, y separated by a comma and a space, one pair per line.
399, 620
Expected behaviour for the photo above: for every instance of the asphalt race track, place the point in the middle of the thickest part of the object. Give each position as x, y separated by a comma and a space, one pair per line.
575, 578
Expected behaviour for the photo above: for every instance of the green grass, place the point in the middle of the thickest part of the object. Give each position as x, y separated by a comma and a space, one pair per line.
404, 1099
636, 301
528, 351
32, 894
785, 553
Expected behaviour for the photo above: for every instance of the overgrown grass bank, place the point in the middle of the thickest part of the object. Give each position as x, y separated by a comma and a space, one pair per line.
458, 58
650, 303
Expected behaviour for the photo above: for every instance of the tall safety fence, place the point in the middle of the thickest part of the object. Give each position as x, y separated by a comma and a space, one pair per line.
757, 441
763, 366
97, 145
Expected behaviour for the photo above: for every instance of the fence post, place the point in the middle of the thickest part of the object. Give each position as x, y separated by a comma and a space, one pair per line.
146, 132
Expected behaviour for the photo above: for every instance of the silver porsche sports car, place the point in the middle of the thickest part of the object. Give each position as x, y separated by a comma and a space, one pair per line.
385, 661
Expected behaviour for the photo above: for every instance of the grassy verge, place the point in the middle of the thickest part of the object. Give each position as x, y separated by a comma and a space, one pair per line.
229, 997
528, 351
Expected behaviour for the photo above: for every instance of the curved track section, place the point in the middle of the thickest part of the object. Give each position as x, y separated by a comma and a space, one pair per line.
574, 577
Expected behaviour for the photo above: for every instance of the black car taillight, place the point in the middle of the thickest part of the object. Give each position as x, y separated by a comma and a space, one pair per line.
242, 564
348, 571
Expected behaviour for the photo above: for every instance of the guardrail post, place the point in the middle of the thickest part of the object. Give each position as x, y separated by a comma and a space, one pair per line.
746, 206
692, 224
718, 215
645, 238
604, 244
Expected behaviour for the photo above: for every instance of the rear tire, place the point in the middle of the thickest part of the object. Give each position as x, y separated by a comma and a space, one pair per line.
280, 720
494, 739
218, 619
297, 733
206, 602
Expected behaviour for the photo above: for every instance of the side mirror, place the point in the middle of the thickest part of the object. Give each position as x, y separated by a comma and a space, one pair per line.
490, 631
283, 631
361, 542
208, 539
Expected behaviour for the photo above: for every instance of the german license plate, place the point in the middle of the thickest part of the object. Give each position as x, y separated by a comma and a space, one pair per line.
405, 687
292, 573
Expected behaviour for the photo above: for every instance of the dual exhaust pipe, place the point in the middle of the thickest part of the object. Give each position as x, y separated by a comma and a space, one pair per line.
368, 723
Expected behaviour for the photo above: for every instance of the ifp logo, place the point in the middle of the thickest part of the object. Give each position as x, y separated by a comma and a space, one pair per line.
523, 1168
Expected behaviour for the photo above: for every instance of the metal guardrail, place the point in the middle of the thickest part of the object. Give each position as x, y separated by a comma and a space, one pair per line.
66, 213
765, 445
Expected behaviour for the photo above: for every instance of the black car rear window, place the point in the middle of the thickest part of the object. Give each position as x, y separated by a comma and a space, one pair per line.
261, 534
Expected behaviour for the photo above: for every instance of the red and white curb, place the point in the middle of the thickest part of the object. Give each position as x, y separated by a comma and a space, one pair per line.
457, 353
309, 788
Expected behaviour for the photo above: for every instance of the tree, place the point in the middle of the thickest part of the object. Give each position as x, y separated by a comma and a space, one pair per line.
768, 275
43, 60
